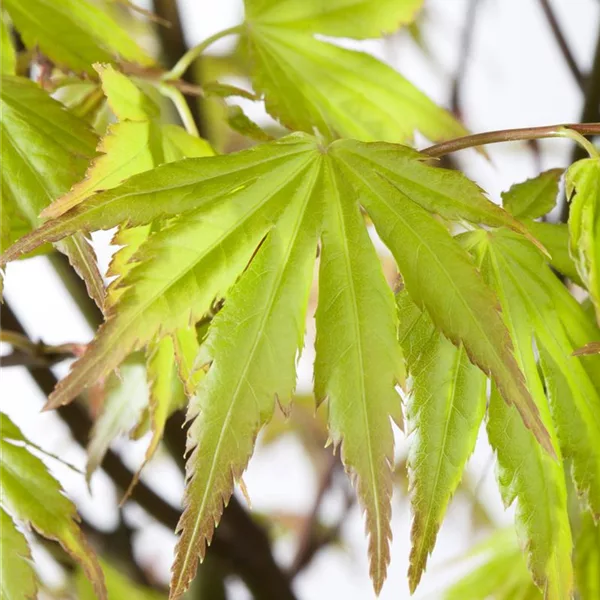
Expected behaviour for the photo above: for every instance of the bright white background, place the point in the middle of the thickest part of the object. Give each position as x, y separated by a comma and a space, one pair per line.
516, 77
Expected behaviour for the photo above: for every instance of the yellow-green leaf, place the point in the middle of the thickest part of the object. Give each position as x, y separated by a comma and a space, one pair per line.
19, 580
30, 494
253, 343
308, 83
73, 33
45, 150
583, 189
358, 362
444, 411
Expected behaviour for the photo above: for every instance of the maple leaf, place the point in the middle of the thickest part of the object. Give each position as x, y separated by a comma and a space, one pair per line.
246, 227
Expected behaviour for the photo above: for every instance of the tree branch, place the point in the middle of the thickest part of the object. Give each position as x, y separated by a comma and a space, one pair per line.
590, 112
463, 61
563, 45
510, 135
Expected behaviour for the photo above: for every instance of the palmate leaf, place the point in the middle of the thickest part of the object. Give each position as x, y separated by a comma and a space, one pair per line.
444, 412
259, 212
532, 298
571, 385
24, 481
309, 83
45, 150
19, 580
583, 189
73, 33
137, 143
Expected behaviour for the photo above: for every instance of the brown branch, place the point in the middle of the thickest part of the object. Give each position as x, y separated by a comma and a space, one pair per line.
559, 36
590, 112
308, 534
463, 61
509, 135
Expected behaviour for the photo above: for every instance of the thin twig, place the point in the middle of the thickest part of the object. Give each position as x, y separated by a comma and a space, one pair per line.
311, 522
590, 112
562, 43
463, 61
510, 135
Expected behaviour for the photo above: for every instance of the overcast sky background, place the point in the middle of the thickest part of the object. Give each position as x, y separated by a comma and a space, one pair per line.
516, 77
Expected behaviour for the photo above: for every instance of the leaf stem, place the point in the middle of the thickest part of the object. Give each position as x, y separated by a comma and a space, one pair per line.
182, 107
515, 135
582, 141
192, 54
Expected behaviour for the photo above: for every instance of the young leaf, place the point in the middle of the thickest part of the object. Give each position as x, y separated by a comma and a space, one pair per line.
182, 269
126, 398
173, 189
445, 409
253, 343
502, 574
535, 197
555, 239
166, 395
24, 480
583, 189
311, 84
8, 60
525, 472
186, 346
19, 579
338, 18
44, 151
118, 585
73, 33
573, 394
137, 143
441, 191
358, 362
429, 260
235, 214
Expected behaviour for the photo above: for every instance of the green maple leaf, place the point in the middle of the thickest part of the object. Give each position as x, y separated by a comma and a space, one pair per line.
258, 216
118, 586
500, 573
534, 198
73, 33
583, 190
45, 150
308, 83
19, 579
24, 479
444, 411
136, 143
539, 313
